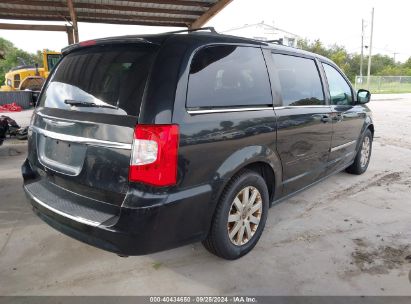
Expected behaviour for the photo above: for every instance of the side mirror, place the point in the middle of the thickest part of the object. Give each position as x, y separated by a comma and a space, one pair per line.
363, 96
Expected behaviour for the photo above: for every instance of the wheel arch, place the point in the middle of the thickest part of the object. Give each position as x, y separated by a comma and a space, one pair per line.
260, 159
267, 172
368, 125
371, 128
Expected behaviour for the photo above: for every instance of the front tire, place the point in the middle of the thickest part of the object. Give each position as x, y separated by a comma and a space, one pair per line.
239, 217
362, 159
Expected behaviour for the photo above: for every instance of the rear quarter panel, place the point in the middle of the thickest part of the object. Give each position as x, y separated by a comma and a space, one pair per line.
215, 146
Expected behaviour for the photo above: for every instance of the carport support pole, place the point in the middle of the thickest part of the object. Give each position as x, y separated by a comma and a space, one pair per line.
69, 31
73, 17
369, 56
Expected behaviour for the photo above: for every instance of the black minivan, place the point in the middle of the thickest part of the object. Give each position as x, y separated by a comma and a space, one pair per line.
144, 143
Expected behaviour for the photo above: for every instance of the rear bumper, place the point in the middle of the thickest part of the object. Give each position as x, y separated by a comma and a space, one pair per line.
174, 220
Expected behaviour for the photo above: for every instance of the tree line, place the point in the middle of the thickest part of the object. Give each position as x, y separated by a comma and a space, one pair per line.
11, 56
381, 65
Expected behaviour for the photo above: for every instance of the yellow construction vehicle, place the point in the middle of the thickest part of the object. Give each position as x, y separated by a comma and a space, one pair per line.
30, 77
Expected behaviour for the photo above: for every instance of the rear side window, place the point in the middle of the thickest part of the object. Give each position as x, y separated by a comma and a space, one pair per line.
228, 76
113, 78
299, 80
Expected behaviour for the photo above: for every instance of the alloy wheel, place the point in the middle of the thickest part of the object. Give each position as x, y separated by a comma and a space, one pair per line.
365, 151
244, 215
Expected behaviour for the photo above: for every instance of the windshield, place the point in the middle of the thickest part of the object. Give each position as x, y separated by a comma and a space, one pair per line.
111, 79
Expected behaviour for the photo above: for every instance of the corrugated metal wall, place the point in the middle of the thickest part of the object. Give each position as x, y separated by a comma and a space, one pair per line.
22, 98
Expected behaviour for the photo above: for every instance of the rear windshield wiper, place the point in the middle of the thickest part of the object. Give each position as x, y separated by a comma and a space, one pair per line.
87, 104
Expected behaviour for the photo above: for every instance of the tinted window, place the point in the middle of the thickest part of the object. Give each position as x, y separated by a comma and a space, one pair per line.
112, 77
16, 80
222, 76
340, 91
299, 80
52, 60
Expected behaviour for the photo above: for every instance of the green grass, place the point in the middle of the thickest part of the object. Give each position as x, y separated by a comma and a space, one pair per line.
157, 265
387, 87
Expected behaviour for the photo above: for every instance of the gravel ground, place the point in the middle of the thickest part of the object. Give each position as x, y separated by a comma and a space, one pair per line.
349, 235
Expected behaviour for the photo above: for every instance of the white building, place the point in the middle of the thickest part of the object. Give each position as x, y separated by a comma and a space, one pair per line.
263, 31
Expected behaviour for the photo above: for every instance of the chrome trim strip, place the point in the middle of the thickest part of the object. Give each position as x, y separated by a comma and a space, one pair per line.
81, 140
72, 217
299, 107
56, 123
343, 146
54, 118
61, 118
226, 110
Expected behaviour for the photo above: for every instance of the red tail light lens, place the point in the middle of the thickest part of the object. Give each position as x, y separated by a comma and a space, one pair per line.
154, 155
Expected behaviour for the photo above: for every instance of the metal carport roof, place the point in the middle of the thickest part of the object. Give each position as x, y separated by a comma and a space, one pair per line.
176, 13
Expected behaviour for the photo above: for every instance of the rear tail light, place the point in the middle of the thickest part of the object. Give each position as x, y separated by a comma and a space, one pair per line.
154, 155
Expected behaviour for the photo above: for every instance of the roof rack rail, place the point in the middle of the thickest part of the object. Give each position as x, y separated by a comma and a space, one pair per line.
208, 28
278, 41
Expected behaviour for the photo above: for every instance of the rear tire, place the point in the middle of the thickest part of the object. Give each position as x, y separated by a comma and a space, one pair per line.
362, 159
237, 225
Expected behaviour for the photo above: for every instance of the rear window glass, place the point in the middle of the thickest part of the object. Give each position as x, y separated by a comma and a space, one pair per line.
109, 79
300, 81
227, 76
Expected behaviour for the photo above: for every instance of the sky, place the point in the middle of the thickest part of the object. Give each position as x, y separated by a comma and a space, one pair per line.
330, 21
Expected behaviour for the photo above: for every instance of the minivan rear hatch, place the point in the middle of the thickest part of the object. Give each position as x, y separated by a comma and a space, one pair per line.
82, 129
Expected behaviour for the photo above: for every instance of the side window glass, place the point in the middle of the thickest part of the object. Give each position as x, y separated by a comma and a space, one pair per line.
299, 80
228, 76
16, 80
340, 91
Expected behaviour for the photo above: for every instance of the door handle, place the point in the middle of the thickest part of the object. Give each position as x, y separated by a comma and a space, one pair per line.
325, 118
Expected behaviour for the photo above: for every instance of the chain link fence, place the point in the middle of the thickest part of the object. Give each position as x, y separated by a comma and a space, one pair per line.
384, 84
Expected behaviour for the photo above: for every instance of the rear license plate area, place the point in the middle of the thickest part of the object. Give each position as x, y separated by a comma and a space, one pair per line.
61, 156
